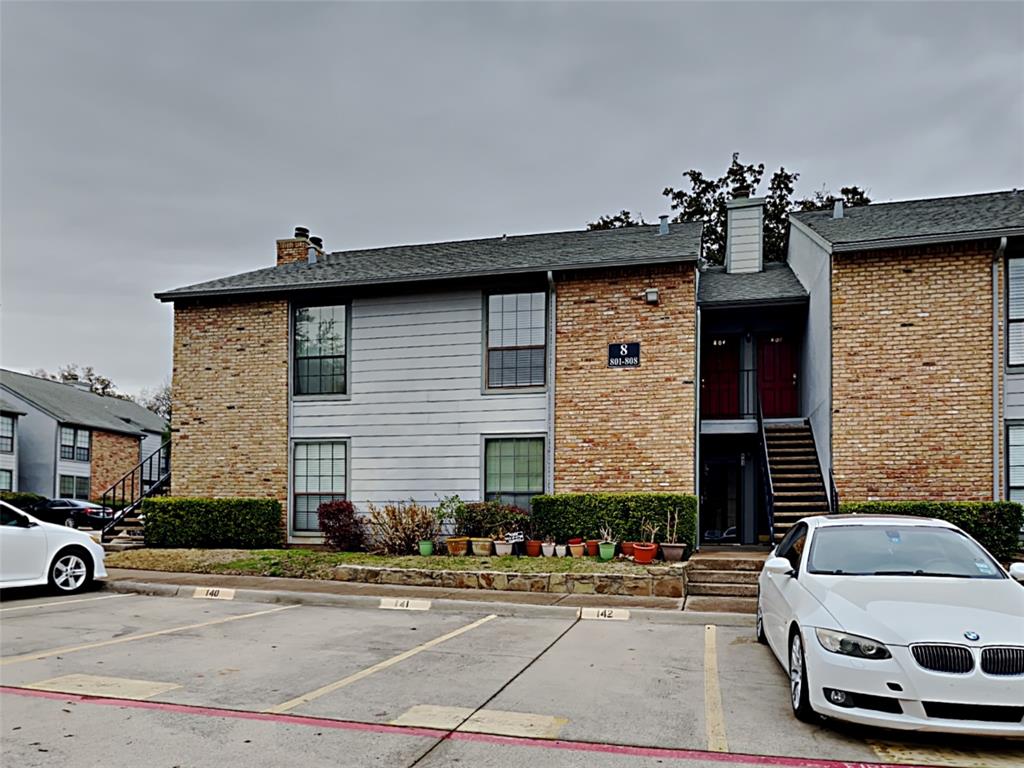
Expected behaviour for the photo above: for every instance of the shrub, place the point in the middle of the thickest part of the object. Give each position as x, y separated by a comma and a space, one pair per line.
208, 523
995, 524
21, 499
343, 528
397, 529
562, 516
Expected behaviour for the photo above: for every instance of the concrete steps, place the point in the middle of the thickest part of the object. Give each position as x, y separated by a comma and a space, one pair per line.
723, 581
713, 604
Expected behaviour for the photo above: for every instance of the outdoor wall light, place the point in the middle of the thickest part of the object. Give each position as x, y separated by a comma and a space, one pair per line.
651, 295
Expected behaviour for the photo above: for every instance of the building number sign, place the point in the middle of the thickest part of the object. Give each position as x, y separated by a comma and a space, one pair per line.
624, 355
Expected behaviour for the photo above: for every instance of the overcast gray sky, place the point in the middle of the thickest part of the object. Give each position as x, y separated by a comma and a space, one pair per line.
149, 145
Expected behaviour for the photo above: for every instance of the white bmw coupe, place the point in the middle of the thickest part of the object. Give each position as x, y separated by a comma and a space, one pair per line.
898, 622
35, 553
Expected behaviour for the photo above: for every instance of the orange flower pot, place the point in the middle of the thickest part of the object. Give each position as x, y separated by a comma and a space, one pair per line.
644, 553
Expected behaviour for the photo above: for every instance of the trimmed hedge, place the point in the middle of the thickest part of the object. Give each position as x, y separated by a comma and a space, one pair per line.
562, 516
21, 499
995, 524
235, 523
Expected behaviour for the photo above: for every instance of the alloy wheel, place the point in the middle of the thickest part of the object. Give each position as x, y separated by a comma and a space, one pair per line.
70, 523
796, 670
69, 572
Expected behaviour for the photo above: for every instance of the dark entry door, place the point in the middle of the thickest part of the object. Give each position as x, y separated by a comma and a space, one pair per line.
776, 375
720, 502
720, 379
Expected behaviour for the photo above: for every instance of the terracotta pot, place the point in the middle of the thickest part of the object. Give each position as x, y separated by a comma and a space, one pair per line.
457, 545
533, 548
627, 548
592, 546
673, 553
575, 541
426, 548
548, 549
644, 553
559, 550
577, 550
481, 547
607, 549
502, 547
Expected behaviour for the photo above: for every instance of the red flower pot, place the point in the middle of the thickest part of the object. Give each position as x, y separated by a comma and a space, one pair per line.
533, 548
575, 541
644, 553
592, 547
627, 548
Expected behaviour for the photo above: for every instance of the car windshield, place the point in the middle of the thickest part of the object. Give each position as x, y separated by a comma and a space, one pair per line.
898, 550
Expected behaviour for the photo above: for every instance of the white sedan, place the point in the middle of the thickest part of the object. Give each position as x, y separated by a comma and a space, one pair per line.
34, 553
898, 622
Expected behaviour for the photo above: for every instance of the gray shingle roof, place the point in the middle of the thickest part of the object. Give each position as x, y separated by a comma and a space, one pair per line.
910, 222
71, 405
464, 259
6, 406
775, 284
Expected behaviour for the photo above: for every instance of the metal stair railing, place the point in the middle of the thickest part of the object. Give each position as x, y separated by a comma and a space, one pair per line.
149, 477
766, 474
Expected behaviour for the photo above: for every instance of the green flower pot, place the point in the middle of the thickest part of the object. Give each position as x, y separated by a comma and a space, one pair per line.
426, 548
607, 549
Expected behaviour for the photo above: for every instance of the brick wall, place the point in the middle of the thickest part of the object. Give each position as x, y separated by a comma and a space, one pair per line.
912, 373
230, 400
112, 456
625, 429
292, 250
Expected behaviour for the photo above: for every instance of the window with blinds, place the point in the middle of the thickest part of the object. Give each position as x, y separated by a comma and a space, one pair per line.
1015, 462
516, 340
1015, 312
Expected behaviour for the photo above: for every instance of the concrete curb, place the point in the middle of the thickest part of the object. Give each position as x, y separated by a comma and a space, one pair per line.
511, 610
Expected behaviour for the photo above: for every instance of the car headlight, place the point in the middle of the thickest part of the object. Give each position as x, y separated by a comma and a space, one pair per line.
851, 645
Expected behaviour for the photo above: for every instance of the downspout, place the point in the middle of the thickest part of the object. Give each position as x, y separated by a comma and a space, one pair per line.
696, 399
997, 260
552, 316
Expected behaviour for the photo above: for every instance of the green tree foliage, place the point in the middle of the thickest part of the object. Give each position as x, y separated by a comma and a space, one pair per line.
704, 199
72, 372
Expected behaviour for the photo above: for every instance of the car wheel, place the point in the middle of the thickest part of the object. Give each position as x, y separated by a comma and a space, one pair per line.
70, 571
759, 626
799, 695
70, 522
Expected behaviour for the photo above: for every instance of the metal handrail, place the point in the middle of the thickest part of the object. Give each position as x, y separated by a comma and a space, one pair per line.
766, 473
747, 396
146, 478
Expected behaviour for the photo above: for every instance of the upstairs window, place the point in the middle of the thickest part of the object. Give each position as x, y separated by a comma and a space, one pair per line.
516, 340
6, 434
1015, 311
320, 350
74, 444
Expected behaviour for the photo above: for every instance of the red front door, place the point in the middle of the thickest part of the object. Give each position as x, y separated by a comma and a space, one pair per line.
776, 375
720, 379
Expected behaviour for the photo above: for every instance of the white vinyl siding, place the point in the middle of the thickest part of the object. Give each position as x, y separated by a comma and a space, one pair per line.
417, 410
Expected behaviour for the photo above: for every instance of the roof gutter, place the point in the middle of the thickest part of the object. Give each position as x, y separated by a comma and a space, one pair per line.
180, 294
997, 261
900, 242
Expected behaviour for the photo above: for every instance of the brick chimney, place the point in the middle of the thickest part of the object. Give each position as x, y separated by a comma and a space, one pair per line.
300, 248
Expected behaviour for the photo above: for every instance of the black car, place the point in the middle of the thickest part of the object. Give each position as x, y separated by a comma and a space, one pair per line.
73, 513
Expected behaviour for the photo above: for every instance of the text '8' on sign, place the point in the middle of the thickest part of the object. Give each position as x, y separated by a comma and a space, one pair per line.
624, 355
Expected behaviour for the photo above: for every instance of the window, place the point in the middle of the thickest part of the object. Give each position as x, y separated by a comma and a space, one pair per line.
1015, 311
514, 470
320, 342
74, 444
516, 339
6, 434
319, 476
6, 480
1015, 462
72, 487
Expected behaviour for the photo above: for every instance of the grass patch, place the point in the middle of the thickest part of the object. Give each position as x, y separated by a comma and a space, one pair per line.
312, 564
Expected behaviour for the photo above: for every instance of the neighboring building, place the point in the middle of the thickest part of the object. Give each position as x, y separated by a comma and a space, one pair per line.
611, 361
9, 445
72, 443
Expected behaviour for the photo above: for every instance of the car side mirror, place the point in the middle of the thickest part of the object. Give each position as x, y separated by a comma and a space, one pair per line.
778, 566
24, 522
1017, 572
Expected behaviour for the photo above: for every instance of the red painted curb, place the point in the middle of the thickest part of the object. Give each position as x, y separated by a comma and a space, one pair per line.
433, 733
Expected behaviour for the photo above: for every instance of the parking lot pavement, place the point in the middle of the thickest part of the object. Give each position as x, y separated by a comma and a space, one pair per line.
129, 679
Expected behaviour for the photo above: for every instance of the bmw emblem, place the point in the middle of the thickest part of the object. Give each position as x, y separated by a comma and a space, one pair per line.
972, 636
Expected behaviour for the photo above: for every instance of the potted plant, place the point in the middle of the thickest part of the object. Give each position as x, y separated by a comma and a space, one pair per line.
559, 550
547, 548
533, 547
426, 547
671, 548
451, 513
481, 546
644, 552
577, 549
606, 547
627, 548
457, 545
577, 540
593, 545
502, 547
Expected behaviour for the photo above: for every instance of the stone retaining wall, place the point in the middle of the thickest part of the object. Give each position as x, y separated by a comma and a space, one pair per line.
650, 582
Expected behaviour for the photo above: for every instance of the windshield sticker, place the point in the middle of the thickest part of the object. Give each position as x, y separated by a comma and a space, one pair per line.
894, 536
982, 566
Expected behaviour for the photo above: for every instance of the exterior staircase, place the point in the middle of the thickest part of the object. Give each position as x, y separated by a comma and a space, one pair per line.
797, 484
150, 477
723, 580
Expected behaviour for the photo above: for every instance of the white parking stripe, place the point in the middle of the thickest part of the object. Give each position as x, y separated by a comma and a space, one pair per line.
62, 602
